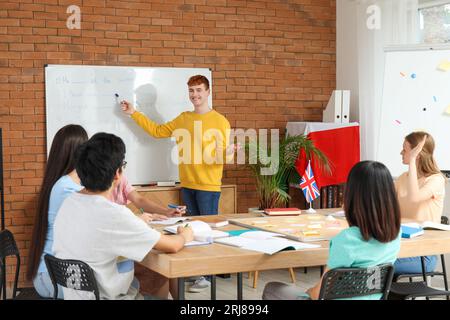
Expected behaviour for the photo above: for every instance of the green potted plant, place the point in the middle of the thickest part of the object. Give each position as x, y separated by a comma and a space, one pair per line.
272, 188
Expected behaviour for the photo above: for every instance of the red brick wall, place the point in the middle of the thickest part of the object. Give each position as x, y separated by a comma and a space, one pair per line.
272, 62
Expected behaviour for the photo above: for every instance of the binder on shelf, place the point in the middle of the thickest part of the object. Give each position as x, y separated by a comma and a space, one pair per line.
338, 107
333, 111
345, 107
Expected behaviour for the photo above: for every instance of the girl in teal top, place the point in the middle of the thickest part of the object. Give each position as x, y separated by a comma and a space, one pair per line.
373, 238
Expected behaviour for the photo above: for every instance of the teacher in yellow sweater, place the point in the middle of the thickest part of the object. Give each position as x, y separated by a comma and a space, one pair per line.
202, 139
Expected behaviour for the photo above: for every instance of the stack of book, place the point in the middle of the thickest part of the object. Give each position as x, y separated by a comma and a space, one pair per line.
332, 196
282, 212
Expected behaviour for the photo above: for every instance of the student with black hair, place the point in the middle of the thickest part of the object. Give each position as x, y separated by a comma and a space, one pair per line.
60, 180
373, 237
91, 228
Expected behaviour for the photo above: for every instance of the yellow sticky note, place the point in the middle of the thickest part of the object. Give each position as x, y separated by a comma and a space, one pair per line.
317, 217
448, 110
444, 66
315, 226
311, 233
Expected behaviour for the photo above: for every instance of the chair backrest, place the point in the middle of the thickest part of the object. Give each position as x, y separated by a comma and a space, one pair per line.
8, 248
356, 282
72, 274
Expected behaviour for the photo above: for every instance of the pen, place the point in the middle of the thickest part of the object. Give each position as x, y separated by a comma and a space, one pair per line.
174, 206
141, 210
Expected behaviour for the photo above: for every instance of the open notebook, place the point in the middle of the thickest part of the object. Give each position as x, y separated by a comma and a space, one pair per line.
170, 221
428, 225
265, 242
202, 232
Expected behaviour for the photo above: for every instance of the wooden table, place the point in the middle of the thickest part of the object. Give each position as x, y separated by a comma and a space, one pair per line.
222, 259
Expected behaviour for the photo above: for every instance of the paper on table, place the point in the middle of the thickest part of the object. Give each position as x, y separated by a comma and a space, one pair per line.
301, 245
314, 217
170, 221
268, 246
260, 235
209, 236
340, 213
287, 230
237, 241
428, 225
196, 243
260, 222
197, 226
202, 231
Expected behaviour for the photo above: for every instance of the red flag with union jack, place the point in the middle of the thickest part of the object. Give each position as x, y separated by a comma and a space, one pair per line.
308, 184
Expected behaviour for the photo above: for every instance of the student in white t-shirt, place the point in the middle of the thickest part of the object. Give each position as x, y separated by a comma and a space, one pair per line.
91, 228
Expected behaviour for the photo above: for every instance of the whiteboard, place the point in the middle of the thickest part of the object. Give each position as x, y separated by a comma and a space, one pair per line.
416, 96
85, 95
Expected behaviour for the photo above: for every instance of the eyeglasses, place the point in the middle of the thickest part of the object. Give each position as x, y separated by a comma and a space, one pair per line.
124, 164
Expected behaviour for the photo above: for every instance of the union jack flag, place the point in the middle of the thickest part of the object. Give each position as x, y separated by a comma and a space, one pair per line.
308, 184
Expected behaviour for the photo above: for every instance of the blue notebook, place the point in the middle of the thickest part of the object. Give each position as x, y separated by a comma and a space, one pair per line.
410, 232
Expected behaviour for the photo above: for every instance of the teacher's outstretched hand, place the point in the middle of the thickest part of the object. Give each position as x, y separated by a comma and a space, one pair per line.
127, 107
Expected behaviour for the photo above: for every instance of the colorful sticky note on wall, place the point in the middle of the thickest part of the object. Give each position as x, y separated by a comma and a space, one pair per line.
444, 66
448, 110
434, 98
402, 74
397, 122
413, 75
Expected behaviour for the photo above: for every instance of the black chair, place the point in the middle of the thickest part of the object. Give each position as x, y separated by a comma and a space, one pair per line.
8, 248
72, 274
412, 290
344, 283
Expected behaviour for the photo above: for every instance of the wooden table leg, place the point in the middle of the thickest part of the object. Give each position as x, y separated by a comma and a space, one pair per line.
292, 273
255, 278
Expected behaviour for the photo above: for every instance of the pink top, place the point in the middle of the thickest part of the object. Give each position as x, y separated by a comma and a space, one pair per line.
120, 193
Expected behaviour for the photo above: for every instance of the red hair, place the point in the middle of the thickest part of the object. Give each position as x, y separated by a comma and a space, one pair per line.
198, 80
